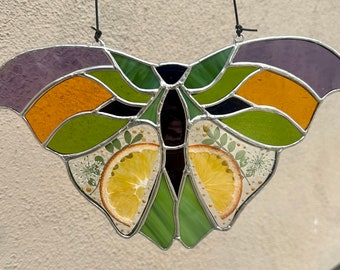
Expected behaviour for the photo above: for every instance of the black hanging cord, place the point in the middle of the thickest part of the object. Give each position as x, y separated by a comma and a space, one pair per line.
239, 28
98, 33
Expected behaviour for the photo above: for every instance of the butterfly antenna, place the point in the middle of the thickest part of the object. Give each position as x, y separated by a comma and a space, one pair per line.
98, 33
239, 28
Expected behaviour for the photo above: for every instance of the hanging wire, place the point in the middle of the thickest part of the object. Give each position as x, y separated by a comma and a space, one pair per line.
98, 33
239, 28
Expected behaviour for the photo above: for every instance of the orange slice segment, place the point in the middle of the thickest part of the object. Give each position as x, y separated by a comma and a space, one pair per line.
127, 181
218, 177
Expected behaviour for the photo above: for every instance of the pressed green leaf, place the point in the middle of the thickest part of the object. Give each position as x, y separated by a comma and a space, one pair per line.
83, 132
127, 137
231, 146
231, 78
114, 80
205, 71
240, 155
208, 141
139, 73
109, 147
243, 161
160, 223
116, 143
137, 138
264, 127
193, 222
216, 133
224, 139
99, 159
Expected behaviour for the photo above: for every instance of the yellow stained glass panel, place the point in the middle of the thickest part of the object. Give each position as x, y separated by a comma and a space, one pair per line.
74, 95
271, 89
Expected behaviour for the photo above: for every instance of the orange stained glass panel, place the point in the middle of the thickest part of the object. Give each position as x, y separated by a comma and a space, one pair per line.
74, 95
271, 89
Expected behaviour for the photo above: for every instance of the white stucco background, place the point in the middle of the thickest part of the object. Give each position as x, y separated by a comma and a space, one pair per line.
294, 222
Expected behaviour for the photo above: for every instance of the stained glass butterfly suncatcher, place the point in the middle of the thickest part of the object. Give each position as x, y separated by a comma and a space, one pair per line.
171, 151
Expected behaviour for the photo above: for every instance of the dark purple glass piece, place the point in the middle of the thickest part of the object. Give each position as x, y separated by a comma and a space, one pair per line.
173, 121
174, 166
313, 63
173, 128
229, 105
25, 75
119, 109
171, 73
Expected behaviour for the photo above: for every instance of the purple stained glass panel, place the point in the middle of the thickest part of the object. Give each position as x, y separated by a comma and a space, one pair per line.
27, 74
316, 65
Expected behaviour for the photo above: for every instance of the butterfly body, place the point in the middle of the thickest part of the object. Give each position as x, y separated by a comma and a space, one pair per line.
172, 151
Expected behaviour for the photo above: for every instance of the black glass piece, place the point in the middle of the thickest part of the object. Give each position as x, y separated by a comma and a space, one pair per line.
174, 166
120, 109
171, 73
173, 120
229, 105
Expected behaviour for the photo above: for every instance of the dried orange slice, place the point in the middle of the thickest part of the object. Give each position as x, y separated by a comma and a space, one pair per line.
218, 177
127, 181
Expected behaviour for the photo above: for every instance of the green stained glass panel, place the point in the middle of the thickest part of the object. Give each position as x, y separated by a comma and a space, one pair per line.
160, 223
151, 112
193, 109
84, 132
193, 222
205, 71
119, 86
232, 77
265, 127
138, 73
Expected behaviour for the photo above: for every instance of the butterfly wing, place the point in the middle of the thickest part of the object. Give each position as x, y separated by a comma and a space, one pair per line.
85, 104
259, 100
282, 79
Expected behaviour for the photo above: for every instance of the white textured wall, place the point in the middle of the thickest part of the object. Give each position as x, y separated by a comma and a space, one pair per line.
294, 223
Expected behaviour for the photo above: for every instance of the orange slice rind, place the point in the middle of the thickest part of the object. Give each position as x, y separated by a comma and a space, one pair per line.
218, 178
127, 181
